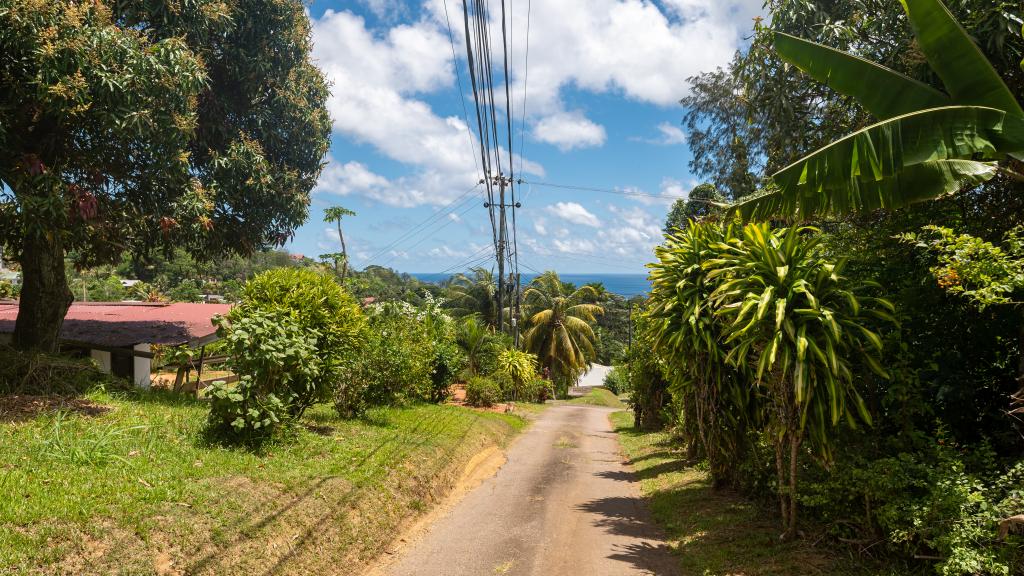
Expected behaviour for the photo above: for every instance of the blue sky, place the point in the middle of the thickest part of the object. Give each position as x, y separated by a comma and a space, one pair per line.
601, 93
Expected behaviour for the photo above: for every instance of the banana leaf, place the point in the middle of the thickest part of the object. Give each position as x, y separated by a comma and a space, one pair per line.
891, 164
883, 92
963, 68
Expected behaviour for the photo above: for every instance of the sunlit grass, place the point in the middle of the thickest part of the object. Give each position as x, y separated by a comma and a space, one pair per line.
122, 491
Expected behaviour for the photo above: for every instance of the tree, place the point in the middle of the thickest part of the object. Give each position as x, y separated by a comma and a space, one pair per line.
560, 329
703, 201
335, 214
928, 143
129, 127
796, 324
475, 294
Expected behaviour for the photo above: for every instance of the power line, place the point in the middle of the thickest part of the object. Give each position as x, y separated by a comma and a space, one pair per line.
435, 231
604, 190
526, 80
462, 92
444, 211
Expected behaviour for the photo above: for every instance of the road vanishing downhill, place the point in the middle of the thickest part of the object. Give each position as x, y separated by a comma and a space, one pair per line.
564, 503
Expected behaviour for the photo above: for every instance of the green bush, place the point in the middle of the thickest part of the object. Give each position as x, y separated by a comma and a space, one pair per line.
617, 380
482, 392
518, 370
317, 306
276, 359
540, 390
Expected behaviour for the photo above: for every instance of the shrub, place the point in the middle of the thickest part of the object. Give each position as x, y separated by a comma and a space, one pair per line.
519, 369
617, 380
317, 306
483, 392
540, 390
276, 360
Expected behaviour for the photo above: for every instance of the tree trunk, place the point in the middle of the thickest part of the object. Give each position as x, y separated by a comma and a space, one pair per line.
45, 296
344, 253
794, 444
780, 477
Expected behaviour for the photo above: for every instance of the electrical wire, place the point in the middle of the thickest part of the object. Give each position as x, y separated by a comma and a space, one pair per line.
462, 91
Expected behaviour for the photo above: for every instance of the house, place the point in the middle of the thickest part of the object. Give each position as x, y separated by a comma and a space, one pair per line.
119, 336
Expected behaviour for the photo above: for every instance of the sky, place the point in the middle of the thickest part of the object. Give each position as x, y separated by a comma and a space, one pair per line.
599, 82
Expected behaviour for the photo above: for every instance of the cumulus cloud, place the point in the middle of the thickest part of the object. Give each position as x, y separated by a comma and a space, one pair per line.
668, 135
569, 130
575, 213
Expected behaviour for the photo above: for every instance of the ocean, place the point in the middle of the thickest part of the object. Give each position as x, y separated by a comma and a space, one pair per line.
627, 285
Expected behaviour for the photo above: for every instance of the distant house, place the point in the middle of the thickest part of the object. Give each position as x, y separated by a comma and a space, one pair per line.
129, 283
119, 335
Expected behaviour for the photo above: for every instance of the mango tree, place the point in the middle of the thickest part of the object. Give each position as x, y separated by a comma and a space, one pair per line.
135, 125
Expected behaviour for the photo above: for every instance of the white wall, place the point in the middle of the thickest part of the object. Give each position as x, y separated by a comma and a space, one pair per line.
102, 358
142, 367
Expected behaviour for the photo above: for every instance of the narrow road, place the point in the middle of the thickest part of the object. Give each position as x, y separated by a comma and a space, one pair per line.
563, 504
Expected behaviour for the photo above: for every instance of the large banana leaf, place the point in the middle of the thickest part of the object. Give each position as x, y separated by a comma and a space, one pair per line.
899, 161
964, 70
883, 92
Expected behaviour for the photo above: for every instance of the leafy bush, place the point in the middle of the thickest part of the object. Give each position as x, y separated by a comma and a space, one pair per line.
617, 380
519, 369
540, 390
318, 307
408, 353
483, 392
277, 360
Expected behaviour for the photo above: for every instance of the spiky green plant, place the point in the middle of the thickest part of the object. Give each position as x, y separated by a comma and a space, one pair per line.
474, 294
560, 329
716, 403
797, 325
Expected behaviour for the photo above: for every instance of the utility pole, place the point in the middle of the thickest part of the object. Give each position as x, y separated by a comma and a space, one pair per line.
502, 182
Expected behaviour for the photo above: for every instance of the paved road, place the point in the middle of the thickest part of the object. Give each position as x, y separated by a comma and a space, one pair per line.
563, 504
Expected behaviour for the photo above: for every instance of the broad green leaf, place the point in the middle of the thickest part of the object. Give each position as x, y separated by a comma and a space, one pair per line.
883, 92
894, 163
953, 55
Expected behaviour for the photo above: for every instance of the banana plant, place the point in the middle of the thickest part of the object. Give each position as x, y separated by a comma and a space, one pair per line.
794, 323
927, 143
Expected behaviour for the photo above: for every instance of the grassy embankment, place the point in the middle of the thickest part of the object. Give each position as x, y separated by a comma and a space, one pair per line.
134, 488
599, 397
717, 532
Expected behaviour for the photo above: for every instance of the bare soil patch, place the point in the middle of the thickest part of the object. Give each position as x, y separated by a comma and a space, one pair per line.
20, 407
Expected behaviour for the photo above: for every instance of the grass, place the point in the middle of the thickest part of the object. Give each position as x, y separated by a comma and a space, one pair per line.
599, 396
717, 532
136, 489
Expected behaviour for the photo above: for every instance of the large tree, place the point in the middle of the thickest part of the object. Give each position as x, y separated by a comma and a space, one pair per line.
138, 125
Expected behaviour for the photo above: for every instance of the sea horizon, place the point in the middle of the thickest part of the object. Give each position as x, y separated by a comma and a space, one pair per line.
623, 284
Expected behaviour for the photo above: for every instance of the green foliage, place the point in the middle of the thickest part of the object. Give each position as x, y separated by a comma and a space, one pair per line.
913, 154
978, 270
480, 344
520, 369
617, 379
38, 373
278, 364
702, 202
474, 294
408, 353
201, 127
8, 290
560, 327
482, 392
321, 310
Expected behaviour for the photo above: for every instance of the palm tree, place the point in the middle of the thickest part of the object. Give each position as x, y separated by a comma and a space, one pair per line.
474, 294
928, 142
478, 342
335, 214
795, 323
560, 329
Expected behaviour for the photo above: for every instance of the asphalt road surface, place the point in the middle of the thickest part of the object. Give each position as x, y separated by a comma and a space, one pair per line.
563, 504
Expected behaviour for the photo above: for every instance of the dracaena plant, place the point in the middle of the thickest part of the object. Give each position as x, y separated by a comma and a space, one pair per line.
717, 404
797, 325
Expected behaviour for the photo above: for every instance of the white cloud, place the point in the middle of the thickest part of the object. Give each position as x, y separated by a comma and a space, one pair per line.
575, 246
540, 226
575, 213
669, 135
446, 252
569, 130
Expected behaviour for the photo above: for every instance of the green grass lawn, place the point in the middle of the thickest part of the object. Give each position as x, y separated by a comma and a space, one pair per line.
717, 532
599, 397
136, 489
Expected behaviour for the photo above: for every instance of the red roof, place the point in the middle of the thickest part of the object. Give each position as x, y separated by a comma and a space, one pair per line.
117, 324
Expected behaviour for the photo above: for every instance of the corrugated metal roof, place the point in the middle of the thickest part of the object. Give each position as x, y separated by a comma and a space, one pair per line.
118, 324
